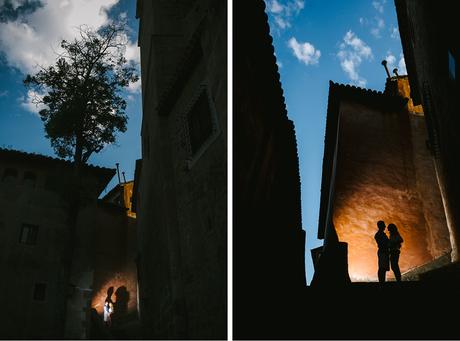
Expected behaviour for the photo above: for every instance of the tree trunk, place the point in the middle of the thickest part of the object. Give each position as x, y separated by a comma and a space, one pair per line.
74, 202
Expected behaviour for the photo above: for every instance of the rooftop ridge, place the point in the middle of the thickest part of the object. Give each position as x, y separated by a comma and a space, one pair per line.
46, 158
272, 58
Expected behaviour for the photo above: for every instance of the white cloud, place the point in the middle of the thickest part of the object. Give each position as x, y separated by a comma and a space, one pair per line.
278, 62
283, 11
34, 38
275, 7
133, 52
352, 52
378, 5
360, 47
282, 23
305, 52
135, 87
394, 32
391, 63
31, 102
402, 65
391, 59
379, 25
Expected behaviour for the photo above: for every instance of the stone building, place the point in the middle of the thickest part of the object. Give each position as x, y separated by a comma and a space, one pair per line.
268, 239
378, 166
181, 189
34, 227
40, 300
429, 37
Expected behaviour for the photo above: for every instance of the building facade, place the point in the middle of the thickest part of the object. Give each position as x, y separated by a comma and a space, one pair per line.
48, 297
181, 189
431, 50
378, 166
41, 301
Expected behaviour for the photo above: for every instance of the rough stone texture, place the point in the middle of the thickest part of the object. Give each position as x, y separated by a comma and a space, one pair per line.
428, 31
182, 198
385, 172
43, 204
115, 262
437, 237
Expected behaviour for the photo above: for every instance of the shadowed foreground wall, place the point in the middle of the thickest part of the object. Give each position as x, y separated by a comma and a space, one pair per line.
429, 37
268, 239
181, 187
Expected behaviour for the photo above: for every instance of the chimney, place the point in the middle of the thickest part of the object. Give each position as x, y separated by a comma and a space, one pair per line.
395, 71
118, 173
124, 179
384, 63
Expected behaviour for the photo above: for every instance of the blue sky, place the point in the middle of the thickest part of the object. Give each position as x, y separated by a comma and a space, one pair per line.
30, 31
316, 41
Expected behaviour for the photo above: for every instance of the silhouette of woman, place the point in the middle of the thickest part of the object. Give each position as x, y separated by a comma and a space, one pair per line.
108, 308
394, 246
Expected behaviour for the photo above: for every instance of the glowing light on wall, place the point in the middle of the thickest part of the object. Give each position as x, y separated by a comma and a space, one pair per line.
384, 172
116, 282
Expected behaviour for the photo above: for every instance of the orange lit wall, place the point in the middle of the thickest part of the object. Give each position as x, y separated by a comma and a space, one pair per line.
385, 172
127, 195
115, 261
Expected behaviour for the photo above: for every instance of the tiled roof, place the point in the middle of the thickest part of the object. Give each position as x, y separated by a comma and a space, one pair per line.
21, 155
368, 96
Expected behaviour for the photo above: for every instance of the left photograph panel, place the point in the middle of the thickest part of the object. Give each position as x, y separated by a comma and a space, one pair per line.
113, 169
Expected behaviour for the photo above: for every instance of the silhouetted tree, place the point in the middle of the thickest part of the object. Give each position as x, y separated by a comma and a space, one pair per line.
83, 107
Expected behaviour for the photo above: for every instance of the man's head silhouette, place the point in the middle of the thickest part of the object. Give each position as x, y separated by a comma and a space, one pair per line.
381, 225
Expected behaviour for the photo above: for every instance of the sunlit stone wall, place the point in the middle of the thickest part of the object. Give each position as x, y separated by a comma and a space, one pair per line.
385, 172
115, 251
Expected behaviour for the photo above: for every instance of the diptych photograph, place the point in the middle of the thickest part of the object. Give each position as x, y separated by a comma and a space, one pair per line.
229, 170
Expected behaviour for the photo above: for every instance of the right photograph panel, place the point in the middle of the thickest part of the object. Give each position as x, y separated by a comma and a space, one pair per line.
345, 195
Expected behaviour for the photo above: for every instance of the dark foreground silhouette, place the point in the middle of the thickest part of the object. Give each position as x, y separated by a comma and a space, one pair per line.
394, 246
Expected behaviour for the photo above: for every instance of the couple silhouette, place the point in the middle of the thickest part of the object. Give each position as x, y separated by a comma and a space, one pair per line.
389, 250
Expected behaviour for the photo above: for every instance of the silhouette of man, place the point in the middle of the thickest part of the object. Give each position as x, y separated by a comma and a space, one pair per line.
383, 253
394, 245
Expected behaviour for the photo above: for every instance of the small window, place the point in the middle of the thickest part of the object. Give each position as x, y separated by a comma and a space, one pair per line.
10, 175
452, 66
200, 122
30, 179
29, 234
39, 291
